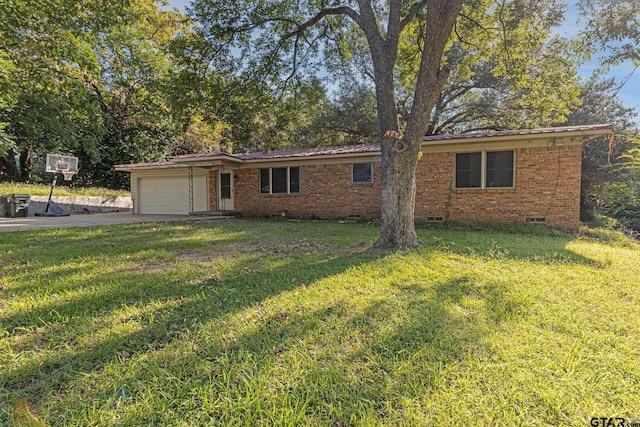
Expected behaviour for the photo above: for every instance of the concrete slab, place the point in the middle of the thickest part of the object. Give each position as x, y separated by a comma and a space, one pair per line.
91, 220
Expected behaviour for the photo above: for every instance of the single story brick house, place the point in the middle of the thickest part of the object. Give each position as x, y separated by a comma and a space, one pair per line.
530, 175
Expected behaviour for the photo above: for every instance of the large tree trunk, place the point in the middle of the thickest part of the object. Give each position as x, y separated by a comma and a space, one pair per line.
397, 226
400, 151
10, 166
25, 164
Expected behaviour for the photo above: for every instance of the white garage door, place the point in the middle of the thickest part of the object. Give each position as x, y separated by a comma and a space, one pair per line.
170, 194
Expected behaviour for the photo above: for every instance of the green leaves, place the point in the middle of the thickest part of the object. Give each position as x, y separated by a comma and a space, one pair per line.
507, 71
89, 80
613, 26
7, 101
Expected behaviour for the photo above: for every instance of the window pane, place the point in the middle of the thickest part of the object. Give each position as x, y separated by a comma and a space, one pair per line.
264, 181
362, 172
468, 173
225, 186
499, 169
294, 180
279, 180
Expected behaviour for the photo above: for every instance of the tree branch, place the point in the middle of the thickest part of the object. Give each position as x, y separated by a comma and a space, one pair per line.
504, 32
431, 77
341, 10
473, 21
301, 27
459, 93
455, 29
438, 129
368, 22
413, 12
393, 25
104, 107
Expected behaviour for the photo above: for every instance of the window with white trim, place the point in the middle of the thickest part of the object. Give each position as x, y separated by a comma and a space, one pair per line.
280, 180
485, 169
362, 172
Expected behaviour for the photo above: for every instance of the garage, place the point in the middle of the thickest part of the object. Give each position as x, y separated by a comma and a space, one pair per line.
168, 193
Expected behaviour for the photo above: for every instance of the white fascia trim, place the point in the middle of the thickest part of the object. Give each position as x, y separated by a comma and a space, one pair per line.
142, 168
312, 158
591, 133
207, 159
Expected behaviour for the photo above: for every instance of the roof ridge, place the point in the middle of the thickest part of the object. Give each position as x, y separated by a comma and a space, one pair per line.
360, 149
532, 131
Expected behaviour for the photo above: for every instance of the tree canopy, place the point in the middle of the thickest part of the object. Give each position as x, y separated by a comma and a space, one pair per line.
613, 28
138, 82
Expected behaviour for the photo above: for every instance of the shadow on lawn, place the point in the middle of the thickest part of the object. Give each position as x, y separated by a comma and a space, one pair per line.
341, 362
542, 247
63, 325
359, 359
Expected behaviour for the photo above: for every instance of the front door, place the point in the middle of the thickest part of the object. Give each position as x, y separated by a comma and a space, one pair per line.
226, 191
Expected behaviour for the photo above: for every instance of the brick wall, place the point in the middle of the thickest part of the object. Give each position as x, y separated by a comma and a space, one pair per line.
547, 186
326, 191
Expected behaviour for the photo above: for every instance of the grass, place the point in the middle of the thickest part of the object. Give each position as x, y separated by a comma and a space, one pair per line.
253, 322
60, 190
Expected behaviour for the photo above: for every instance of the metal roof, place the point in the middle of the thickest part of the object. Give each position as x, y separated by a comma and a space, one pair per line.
520, 132
363, 149
149, 165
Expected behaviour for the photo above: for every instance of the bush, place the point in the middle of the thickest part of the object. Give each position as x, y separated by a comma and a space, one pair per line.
614, 204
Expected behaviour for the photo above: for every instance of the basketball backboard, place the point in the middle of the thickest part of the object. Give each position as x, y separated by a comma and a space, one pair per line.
58, 163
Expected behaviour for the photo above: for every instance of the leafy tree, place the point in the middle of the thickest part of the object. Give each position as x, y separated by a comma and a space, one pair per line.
279, 38
612, 26
207, 90
482, 98
612, 30
126, 84
90, 82
7, 102
507, 71
610, 166
45, 45
347, 119
600, 104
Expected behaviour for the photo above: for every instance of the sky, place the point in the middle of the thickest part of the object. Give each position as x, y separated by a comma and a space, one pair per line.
629, 94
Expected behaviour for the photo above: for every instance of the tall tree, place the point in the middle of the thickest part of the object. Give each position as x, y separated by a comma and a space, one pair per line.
299, 25
507, 70
613, 26
89, 81
610, 167
348, 119
126, 84
7, 102
43, 43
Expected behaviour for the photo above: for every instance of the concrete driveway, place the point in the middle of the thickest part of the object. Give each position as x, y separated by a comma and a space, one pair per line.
90, 220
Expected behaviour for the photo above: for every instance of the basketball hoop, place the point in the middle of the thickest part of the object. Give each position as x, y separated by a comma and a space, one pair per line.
68, 174
67, 166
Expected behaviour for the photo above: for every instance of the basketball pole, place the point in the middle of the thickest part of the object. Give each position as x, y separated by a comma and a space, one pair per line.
53, 184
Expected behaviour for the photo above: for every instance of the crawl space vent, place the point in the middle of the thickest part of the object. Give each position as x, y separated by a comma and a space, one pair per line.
536, 220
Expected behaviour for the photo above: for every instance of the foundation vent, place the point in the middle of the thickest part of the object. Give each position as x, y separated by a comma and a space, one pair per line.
536, 220
434, 219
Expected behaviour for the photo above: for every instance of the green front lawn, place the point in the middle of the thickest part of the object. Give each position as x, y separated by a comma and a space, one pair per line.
295, 323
